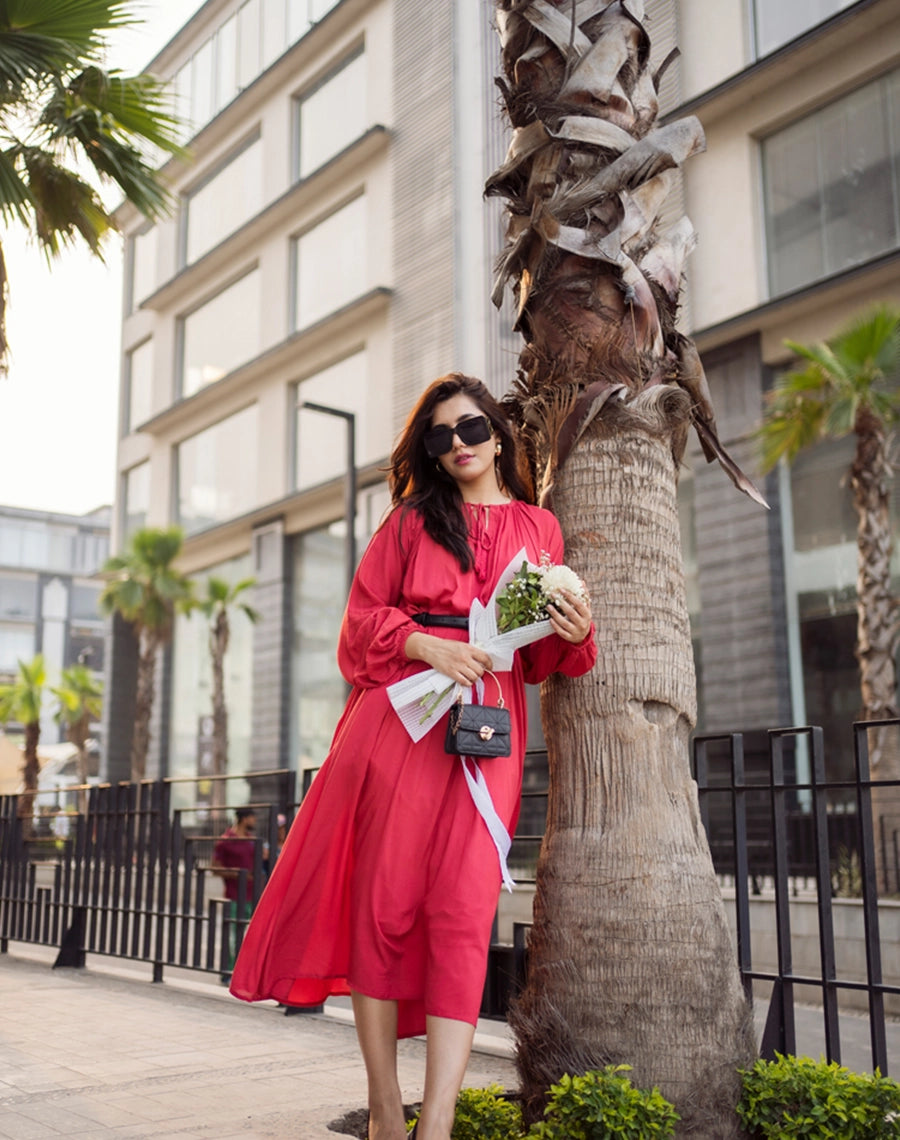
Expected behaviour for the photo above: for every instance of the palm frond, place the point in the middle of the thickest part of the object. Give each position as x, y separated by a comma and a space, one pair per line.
870, 344
785, 433
65, 205
54, 36
840, 415
822, 357
16, 202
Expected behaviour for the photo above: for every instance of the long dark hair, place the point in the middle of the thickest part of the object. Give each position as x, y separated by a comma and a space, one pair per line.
421, 484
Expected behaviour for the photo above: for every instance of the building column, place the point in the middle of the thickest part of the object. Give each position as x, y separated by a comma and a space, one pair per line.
119, 690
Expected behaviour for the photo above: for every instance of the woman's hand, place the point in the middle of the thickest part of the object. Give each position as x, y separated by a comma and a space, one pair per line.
571, 619
458, 660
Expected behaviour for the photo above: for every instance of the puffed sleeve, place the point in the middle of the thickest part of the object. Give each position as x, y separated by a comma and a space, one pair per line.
552, 654
374, 630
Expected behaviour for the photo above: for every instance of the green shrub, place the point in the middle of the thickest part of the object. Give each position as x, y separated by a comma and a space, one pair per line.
796, 1096
484, 1114
604, 1105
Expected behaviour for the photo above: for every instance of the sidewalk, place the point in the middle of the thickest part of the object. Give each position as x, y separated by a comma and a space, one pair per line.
103, 1054
107, 1056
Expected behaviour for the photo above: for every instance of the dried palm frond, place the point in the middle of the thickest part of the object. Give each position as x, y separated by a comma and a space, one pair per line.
585, 181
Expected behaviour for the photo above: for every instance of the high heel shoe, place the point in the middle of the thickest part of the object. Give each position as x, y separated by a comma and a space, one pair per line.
415, 1129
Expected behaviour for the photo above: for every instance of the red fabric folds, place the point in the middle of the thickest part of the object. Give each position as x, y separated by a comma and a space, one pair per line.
388, 880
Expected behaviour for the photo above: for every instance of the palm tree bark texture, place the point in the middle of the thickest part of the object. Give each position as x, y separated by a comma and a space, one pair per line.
630, 959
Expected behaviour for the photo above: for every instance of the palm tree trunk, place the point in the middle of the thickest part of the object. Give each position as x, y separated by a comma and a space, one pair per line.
148, 647
870, 479
31, 768
218, 644
630, 959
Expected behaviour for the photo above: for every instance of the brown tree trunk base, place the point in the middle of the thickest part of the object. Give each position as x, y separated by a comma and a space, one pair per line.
631, 960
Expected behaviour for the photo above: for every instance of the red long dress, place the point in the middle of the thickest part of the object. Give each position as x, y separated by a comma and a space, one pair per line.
388, 880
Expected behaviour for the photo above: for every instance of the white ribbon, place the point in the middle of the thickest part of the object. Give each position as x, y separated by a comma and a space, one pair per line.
481, 798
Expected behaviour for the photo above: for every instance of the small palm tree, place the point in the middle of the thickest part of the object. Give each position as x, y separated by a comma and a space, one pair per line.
20, 701
221, 601
79, 696
146, 589
851, 385
60, 107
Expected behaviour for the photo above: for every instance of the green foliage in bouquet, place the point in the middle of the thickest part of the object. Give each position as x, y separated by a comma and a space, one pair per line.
523, 601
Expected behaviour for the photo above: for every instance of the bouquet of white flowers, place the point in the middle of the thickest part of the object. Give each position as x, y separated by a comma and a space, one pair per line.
515, 615
525, 599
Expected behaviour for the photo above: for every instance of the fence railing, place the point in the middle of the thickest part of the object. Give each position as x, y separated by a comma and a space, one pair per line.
132, 877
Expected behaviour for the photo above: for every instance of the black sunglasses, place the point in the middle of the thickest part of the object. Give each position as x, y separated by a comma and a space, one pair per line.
439, 440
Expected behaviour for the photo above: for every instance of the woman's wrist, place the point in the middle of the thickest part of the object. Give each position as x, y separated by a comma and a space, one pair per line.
416, 646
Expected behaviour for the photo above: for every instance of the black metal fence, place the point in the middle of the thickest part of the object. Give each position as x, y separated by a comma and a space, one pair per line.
133, 875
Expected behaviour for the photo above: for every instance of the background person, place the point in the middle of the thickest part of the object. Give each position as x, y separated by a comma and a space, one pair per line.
388, 882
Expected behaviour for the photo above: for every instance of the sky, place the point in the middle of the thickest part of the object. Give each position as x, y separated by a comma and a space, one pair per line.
59, 404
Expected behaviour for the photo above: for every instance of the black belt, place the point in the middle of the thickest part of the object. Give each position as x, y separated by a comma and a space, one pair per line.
448, 621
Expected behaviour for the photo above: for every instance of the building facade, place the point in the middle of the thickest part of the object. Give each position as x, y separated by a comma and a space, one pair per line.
49, 594
331, 247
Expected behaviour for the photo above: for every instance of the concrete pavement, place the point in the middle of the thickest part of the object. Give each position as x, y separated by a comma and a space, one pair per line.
103, 1054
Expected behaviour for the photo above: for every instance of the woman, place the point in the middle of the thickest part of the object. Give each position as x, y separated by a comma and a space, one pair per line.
388, 881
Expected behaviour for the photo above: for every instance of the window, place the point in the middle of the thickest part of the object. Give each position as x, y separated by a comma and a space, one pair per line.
830, 186
84, 602
317, 689
777, 22
224, 202
18, 599
248, 43
217, 472
143, 267
321, 440
298, 19
191, 689
136, 499
226, 81
139, 370
274, 23
16, 644
202, 84
221, 335
182, 85
330, 264
331, 115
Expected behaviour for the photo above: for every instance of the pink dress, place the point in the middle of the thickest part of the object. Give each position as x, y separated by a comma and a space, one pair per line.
388, 880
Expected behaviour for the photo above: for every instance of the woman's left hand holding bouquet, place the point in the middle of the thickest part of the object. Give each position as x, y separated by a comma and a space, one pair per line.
570, 617
458, 660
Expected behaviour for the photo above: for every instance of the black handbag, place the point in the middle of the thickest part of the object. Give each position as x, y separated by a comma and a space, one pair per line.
479, 730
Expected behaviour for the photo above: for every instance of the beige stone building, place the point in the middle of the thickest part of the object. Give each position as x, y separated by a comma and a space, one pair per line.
331, 246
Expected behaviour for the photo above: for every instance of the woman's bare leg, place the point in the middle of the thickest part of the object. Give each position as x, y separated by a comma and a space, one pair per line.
449, 1044
376, 1028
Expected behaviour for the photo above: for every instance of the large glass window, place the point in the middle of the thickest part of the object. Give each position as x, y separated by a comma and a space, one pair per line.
831, 186
36, 545
84, 602
18, 598
317, 689
192, 694
217, 472
16, 644
320, 439
224, 202
332, 114
142, 266
221, 335
136, 498
330, 264
778, 22
139, 370
823, 571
